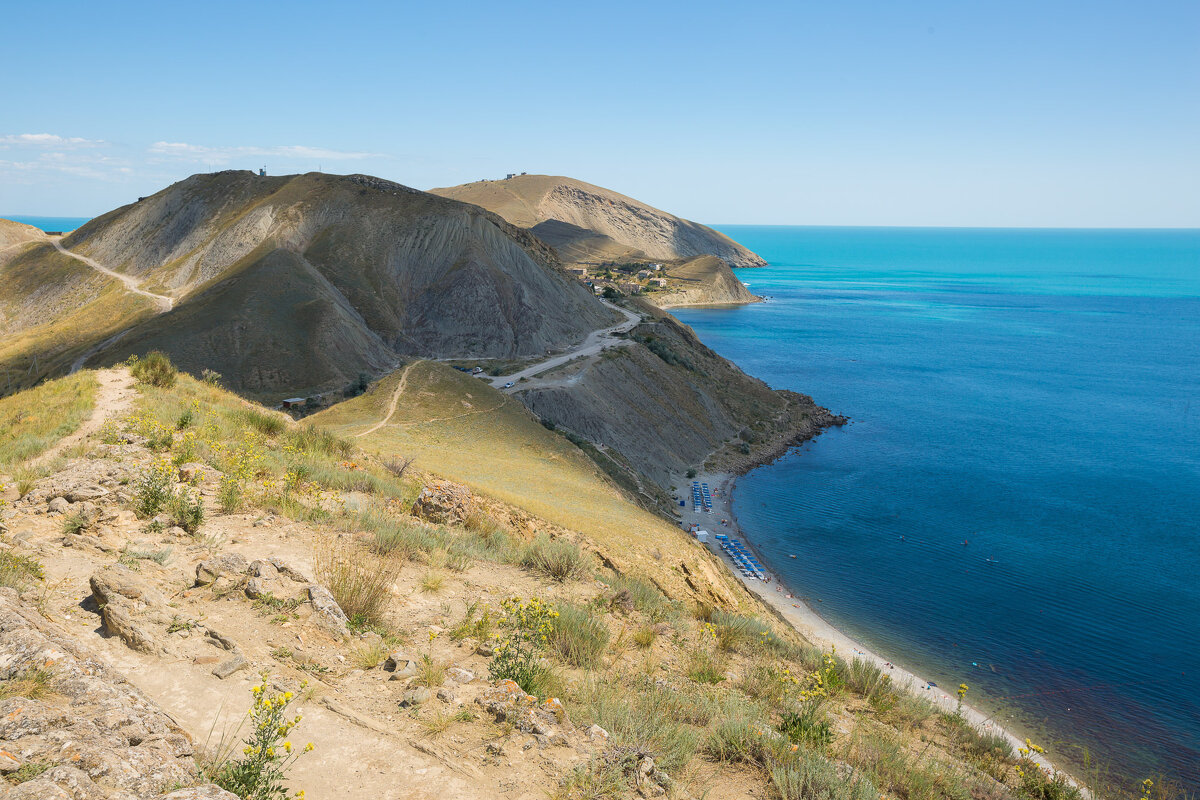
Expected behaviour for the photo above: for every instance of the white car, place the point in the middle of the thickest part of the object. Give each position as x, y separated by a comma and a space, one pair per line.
509, 385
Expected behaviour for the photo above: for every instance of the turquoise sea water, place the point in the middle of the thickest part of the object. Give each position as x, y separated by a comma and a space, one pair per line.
1026, 396
51, 223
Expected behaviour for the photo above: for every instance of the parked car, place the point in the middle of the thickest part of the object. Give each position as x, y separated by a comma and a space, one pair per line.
509, 385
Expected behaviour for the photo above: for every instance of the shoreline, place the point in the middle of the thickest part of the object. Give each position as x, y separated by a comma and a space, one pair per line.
806, 621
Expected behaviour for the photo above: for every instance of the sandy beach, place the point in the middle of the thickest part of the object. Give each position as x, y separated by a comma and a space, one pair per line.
808, 622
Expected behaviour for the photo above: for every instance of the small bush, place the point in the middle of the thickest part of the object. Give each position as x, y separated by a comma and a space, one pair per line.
76, 522
154, 488
555, 558
474, 624
641, 721
528, 625
811, 777
18, 571
211, 377
867, 679
644, 637
155, 369
30, 684
188, 510
705, 667
432, 582
397, 465
261, 771
430, 673
806, 724
578, 637
360, 581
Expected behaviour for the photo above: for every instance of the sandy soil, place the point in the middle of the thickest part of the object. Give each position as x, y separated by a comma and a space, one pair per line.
801, 616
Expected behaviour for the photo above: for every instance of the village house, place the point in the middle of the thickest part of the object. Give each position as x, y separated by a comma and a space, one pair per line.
578, 272
661, 283
644, 274
630, 287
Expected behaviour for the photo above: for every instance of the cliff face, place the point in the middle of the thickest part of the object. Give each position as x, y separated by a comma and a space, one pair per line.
589, 223
703, 281
666, 403
299, 283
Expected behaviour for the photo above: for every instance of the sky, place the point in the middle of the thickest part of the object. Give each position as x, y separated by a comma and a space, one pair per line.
1059, 114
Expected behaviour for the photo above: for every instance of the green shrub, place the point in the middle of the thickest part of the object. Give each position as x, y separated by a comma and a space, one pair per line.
644, 637
867, 679
806, 724
555, 558
211, 377
578, 637
705, 667
188, 510
361, 582
266, 423
154, 488
475, 624
643, 721
76, 522
155, 369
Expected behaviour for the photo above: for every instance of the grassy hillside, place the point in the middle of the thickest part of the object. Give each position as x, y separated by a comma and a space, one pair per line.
459, 427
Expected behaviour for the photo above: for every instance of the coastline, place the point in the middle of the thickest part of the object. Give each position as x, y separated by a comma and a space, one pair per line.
806, 621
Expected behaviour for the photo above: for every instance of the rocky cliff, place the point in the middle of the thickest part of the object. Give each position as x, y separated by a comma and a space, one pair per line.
589, 223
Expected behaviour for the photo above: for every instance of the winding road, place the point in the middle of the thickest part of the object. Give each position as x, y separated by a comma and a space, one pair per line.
596, 341
161, 302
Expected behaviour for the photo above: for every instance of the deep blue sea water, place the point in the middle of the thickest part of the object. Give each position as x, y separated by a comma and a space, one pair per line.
51, 223
1026, 396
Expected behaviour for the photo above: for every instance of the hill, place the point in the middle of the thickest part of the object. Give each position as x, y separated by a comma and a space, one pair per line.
587, 223
293, 284
701, 281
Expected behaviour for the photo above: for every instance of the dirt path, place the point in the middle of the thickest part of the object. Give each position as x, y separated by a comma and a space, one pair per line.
114, 397
596, 341
395, 401
161, 302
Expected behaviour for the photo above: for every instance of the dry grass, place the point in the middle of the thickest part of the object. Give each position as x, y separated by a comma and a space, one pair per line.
32, 421
359, 580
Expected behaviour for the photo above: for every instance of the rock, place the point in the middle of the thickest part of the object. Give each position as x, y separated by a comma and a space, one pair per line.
220, 640
443, 503
287, 571
121, 595
446, 696
9, 762
459, 675
400, 664
263, 569
485, 649
257, 588
88, 491
227, 668
597, 734
414, 697
210, 791
327, 614
226, 564
101, 736
510, 703
176, 532
59, 505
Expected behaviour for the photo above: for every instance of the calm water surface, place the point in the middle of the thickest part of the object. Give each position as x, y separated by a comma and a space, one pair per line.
1031, 397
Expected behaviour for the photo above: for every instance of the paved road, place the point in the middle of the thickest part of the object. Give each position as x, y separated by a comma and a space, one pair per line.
595, 342
161, 302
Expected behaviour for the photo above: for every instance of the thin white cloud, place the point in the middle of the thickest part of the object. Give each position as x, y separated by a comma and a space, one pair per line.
46, 140
221, 155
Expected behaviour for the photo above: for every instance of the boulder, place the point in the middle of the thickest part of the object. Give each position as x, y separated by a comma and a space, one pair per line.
59, 505
400, 664
460, 675
443, 503
327, 614
414, 697
209, 791
227, 668
287, 570
226, 564
87, 491
121, 596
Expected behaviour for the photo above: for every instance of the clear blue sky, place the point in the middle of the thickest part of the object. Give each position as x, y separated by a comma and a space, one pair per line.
886, 113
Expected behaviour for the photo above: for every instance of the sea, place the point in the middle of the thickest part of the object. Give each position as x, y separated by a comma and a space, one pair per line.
63, 224
1015, 504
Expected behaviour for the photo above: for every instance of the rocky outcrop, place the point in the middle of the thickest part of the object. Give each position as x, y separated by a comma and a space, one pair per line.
93, 734
443, 503
123, 599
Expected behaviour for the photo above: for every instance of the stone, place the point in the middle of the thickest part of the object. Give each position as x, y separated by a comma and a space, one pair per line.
287, 570
59, 505
87, 491
460, 675
485, 649
327, 614
227, 668
257, 588
446, 696
219, 639
597, 734
121, 595
414, 697
9, 762
226, 564
176, 532
443, 503
400, 664
263, 569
